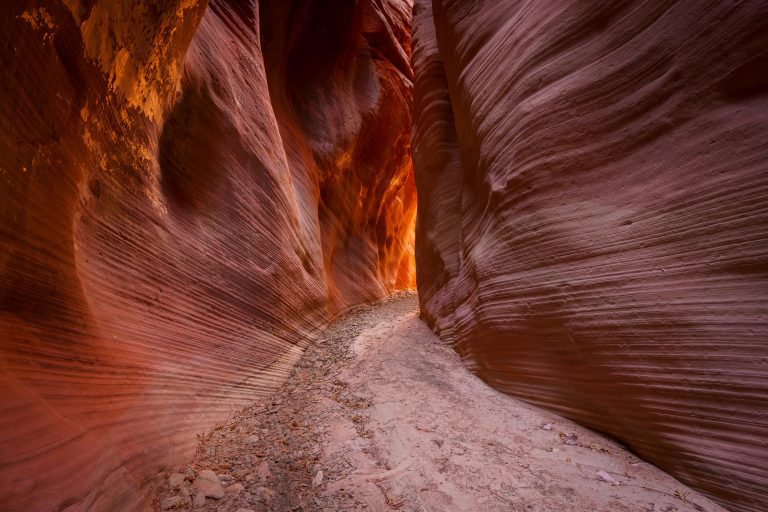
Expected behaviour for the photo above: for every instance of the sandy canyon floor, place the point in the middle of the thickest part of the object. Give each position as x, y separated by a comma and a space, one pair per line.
381, 415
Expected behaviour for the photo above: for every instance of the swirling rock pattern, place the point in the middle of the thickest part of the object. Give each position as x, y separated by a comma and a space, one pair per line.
185, 200
593, 217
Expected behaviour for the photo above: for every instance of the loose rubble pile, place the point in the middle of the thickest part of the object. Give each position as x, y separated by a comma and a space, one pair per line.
266, 457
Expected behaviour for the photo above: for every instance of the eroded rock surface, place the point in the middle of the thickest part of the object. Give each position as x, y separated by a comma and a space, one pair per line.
593, 216
178, 218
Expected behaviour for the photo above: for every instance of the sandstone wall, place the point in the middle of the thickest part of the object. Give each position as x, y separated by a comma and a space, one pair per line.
593, 218
180, 212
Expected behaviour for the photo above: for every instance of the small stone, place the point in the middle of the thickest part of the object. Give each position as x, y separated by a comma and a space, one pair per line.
252, 439
189, 473
265, 493
605, 477
175, 480
318, 479
262, 470
235, 489
245, 510
208, 484
199, 500
546, 426
172, 502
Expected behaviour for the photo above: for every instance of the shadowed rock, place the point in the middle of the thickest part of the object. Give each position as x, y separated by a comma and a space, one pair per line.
593, 218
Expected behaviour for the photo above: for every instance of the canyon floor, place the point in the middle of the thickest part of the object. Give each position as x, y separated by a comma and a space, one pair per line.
381, 415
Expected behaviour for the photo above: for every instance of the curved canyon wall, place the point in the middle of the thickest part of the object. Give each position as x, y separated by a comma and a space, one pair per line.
185, 198
593, 218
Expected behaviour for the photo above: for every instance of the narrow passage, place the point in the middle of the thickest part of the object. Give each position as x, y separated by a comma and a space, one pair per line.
381, 415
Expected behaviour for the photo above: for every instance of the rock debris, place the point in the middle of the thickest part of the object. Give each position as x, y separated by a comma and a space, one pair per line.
380, 415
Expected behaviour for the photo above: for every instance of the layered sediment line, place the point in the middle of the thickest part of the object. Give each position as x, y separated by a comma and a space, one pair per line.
181, 210
593, 216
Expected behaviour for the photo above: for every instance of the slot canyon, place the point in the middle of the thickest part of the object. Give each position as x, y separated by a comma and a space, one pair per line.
384, 255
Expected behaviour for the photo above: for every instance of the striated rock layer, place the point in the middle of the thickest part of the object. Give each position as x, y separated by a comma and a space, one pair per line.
185, 198
593, 218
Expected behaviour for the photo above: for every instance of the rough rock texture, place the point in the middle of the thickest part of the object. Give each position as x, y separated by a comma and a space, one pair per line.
170, 232
593, 217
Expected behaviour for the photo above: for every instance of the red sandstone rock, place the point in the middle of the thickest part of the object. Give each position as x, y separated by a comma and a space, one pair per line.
593, 217
177, 218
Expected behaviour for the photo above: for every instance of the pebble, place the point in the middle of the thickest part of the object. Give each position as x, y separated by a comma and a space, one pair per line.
318, 479
199, 500
208, 484
175, 480
265, 493
252, 439
262, 470
235, 489
245, 510
172, 502
606, 477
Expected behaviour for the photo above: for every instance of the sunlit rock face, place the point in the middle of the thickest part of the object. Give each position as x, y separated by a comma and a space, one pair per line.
593, 217
340, 82
183, 205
